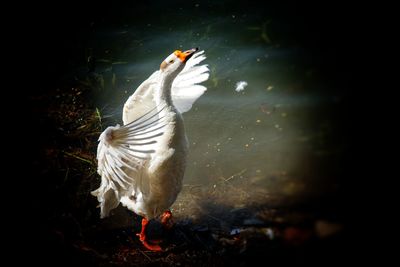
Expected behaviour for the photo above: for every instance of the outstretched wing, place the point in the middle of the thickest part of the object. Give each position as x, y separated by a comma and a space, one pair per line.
185, 88
141, 101
121, 154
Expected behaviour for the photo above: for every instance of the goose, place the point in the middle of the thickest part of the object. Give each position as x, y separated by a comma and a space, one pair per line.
142, 162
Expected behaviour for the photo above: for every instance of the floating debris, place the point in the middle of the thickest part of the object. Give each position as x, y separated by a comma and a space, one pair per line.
278, 127
240, 86
264, 107
269, 88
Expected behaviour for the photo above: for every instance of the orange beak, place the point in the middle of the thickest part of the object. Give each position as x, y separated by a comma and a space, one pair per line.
184, 56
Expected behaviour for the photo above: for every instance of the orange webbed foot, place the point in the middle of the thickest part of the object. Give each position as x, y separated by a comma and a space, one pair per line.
152, 247
143, 238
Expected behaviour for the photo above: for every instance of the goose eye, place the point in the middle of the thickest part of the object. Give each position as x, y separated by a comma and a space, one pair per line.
171, 61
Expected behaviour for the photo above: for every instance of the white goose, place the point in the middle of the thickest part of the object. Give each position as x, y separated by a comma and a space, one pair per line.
142, 163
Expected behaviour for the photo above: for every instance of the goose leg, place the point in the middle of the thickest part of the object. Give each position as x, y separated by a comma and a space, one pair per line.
143, 238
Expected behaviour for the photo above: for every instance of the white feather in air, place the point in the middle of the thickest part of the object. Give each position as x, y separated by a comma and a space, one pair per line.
240, 86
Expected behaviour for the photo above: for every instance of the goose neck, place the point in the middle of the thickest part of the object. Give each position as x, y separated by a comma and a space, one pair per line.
163, 95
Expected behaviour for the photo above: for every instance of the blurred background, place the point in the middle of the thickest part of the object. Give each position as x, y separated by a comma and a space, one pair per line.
268, 172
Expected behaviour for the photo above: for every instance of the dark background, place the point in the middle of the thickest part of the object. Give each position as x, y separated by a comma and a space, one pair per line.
55, 42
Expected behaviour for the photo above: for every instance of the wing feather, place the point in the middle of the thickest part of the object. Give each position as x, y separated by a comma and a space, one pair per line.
121, 153
141, 100
185, 89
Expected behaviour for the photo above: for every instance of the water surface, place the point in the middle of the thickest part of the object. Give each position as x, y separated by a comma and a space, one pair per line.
276, 139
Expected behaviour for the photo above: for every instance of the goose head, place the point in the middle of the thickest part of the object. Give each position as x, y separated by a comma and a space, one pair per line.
174, 63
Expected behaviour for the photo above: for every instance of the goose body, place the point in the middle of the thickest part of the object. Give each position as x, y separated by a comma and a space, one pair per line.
142, 163
162, 175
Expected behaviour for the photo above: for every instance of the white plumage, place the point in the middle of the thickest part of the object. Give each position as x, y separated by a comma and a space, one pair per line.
142, 163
